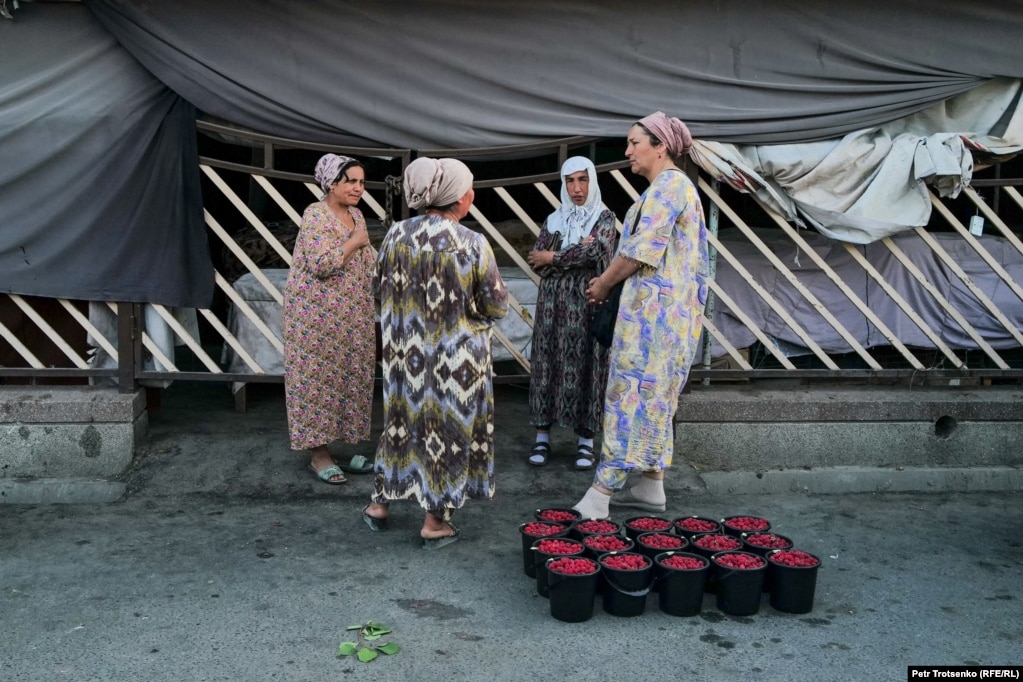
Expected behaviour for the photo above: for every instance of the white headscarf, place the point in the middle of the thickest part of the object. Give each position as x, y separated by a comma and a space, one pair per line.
435, 182
575, 222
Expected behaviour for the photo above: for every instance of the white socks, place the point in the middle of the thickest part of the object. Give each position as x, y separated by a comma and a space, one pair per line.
594, 504
543, 437
649, 490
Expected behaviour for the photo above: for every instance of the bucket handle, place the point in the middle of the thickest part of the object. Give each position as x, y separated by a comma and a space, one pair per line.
640, 593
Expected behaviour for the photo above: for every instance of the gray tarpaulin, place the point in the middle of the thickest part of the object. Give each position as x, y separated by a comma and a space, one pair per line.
99, 189
429, 73
99, 185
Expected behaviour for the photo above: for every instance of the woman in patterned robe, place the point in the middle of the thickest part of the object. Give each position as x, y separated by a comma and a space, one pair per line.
328, 320
663, 260
569, 369
440, 293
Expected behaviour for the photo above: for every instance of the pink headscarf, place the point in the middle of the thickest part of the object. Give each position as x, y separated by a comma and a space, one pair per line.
669, 130
328, 168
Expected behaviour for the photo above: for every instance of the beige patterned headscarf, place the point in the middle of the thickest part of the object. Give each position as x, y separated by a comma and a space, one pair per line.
328, 168
435, 182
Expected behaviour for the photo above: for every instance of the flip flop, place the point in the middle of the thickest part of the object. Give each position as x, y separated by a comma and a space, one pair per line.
375, 524
357, 465
326, 474
433, 544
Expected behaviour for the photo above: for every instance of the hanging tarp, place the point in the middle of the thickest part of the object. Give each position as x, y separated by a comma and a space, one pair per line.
452, 74
99, 177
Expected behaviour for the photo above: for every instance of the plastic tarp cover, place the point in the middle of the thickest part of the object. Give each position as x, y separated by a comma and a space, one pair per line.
99, 177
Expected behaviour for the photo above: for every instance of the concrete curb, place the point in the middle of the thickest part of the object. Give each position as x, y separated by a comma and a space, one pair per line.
841, 480
60, 491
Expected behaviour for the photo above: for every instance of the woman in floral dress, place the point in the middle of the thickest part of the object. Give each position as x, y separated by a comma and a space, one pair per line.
329, 321
663, 261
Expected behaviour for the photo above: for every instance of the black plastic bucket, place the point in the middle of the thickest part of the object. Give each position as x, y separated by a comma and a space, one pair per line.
680, 590
792, 587
626, 588
571, 596
738, 589
540, 558
528, 561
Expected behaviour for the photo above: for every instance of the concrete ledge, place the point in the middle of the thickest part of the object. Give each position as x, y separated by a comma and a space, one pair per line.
840, 480
60, 491
69, 432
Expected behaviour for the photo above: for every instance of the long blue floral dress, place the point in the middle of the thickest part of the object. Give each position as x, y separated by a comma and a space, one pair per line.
657, 333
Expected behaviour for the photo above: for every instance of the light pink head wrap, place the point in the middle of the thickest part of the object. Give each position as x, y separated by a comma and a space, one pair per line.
435, 182
669, 130
328, 168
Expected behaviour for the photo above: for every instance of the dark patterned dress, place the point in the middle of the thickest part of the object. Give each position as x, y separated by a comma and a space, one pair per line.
569, 369
440, 293
328, 321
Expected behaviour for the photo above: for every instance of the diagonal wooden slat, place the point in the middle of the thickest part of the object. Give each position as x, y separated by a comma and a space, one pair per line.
789, 276
952, 265
517, 210
729, 348
247, 213
993, 217
89, 327
243, 257
231, 340
50, 332
496, 235
192, 343
943, 302
744, 318
165, 364
19, 347
245, 309
903, 305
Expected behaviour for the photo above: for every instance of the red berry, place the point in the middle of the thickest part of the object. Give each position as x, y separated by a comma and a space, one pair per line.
560, 515
539, 530
794, 557
661, 541
747, 523
768, 541
740, 560
648, 523
696, 524
683, 562
717, 542
597, 526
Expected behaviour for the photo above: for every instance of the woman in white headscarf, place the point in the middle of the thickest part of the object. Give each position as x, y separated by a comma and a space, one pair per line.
569, 369
328, 322
440, 294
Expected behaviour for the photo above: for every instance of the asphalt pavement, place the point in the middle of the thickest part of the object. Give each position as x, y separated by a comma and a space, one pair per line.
226, 560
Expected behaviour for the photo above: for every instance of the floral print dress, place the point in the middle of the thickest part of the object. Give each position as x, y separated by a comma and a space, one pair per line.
657, 334
329, 328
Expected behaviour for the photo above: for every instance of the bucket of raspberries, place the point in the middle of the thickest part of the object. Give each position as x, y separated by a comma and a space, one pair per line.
557, 515
688, 526
530, 532
584, 527
793, 579
646, 524
737, 525
628, 576
679, 578
547, 548
740, 579
571, 587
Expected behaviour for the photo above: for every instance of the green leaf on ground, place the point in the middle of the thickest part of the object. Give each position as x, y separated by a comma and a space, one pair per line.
389, 648
346, 649
367, 655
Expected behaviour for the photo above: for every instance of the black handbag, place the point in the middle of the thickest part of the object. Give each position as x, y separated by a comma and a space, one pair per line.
602, 324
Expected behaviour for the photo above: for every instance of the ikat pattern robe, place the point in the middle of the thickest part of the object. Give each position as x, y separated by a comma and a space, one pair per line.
440, 292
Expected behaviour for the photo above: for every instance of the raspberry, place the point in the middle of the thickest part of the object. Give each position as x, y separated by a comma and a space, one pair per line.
648, 523
626, 561
683, 562
661, 541
539, 530
559, 515
767, 541
572, 566
794, 557
697, 524
606, 543
740, 560
597, 526
747, 523
559, 547
717, 542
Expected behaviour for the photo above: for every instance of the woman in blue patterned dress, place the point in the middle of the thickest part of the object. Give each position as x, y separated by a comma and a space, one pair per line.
440, 294
569, 368
662, 258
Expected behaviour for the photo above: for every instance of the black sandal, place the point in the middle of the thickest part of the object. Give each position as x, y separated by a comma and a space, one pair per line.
541, 450
585, 452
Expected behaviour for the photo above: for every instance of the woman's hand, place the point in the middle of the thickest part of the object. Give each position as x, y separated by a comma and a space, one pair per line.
538, 259
598, 290
359, 238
